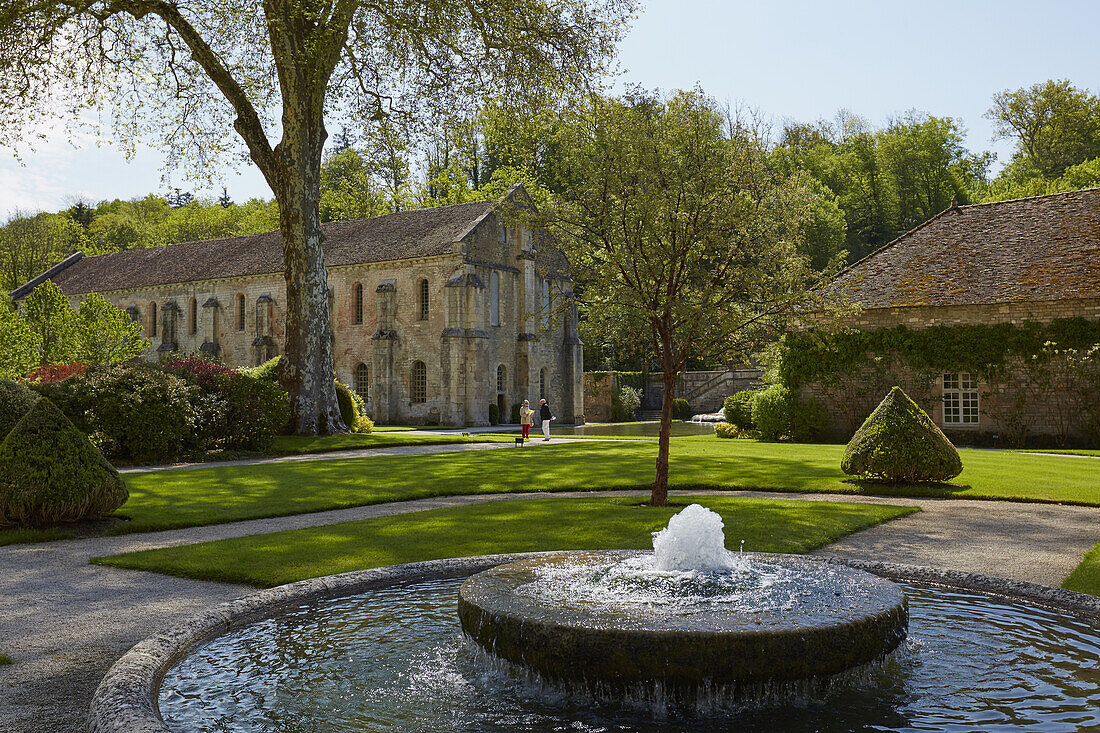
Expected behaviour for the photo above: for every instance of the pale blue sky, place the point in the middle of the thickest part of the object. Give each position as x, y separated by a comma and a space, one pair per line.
795, 60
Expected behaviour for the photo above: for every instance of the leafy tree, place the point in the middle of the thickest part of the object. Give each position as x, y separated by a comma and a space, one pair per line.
53, 323
348, 188
18, 345
193, 71
105, 334
32, 243
679, 219
1055, 125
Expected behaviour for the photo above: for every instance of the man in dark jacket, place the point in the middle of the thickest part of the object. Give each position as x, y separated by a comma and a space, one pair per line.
546, 417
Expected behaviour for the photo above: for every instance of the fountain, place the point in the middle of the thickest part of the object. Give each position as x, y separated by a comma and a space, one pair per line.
713, 640
690, 615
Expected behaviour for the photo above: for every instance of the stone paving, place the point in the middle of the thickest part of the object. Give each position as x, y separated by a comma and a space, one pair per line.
66, 622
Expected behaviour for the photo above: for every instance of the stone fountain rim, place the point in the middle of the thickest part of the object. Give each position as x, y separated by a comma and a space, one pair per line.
127, 697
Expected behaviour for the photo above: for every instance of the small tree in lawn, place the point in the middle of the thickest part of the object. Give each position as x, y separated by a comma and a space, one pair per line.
187, 73
675, 217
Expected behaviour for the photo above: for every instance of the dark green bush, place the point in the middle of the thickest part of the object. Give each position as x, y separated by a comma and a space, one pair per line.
15, 402
737, 409
899, 442
138, 412
266, 371
257, 410
681, 410
807, 419
771, 412
50, 472
494, 414
349, 410
515, 413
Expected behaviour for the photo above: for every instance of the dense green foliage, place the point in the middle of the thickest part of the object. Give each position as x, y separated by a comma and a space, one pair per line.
139, 413
899, 442
737, 409
256, 411
779, 413
811, 356
765, 525
16, 401
681, 409
50, 472
625, 407
494, 414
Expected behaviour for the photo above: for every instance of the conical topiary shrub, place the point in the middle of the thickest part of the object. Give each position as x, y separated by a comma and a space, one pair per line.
15, 402
50, 472
899, 442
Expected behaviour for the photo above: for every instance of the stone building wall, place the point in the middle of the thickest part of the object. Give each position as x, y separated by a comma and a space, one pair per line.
459, 343
1011, 410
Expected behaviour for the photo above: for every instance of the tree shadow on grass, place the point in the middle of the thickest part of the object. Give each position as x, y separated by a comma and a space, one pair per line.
873, 486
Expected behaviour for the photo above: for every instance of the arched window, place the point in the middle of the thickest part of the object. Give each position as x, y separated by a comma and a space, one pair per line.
362, 381
423, 294
151, 330
240, 311
418, 382
494, 299
501, 378
358, 303
542, 384
193, 317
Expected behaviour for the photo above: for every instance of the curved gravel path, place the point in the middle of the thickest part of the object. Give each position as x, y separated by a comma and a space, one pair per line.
65, 621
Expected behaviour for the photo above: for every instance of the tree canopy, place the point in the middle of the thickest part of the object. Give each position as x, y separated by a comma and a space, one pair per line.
678, 220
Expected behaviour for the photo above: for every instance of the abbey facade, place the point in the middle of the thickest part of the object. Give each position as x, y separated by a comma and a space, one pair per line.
436, 313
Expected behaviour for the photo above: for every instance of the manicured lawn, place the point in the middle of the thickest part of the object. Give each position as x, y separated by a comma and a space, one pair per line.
1086, 577
163, 500
1066, 451
290, 445
496, 527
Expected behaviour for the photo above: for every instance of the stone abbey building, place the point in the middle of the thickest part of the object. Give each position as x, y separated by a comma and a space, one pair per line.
436, 313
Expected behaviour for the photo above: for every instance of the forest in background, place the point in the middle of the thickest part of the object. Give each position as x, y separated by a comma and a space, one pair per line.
863, 185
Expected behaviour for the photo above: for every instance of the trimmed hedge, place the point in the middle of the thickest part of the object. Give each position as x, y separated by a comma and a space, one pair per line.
494, 414
257, 411
681, 410
737, 409
899, 442
778, 414
52, 473
15, 402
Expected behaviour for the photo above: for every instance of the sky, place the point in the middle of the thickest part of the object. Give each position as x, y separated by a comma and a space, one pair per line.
790, 60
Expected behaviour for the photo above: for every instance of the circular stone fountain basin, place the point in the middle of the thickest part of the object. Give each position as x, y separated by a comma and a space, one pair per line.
793, 619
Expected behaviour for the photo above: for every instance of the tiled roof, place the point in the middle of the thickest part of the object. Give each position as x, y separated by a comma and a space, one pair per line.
1043, 248
398, 236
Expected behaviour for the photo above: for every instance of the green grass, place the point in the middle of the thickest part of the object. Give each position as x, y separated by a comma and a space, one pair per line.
1065, 451
290, 445
496, 527
22, 535
1086, 577
169, 499
5, 659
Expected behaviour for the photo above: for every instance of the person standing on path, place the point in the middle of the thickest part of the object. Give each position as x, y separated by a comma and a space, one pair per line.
546, 417
526, 419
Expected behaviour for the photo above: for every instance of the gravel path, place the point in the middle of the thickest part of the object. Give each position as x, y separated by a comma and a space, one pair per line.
66, 622
396, 450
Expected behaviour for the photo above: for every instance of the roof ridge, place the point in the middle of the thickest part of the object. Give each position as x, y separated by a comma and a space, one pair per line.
1091, 189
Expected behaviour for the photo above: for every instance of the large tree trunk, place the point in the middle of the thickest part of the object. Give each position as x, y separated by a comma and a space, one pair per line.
306, 369
659, 494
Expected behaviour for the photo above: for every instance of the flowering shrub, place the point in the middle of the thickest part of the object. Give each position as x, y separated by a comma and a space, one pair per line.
198, 369
726, 430
56, 372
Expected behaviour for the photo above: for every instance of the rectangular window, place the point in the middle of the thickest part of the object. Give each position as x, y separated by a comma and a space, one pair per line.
423, 300
960, 399
494, 299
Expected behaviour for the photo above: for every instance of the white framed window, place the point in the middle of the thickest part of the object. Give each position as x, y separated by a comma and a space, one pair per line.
494, 299
960, 399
